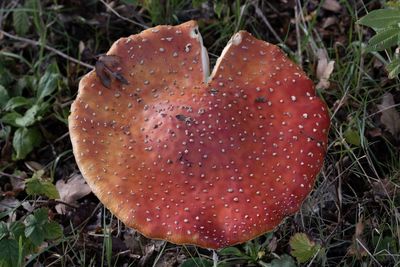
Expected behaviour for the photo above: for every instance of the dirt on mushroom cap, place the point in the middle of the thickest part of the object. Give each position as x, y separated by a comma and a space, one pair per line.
211, 161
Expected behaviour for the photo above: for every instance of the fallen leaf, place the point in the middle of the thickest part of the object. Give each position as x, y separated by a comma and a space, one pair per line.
331, 5
375, 132
303, 248
358, 247
104, 67
17, 181
324, 69
71, 190
390, 117
9, 203
329, 22
383, 188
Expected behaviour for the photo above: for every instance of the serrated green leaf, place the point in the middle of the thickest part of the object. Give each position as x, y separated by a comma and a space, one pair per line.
18, 101
231, 251
284, 261
25, 139
29, 117
48, 189
52, 230
393, 68
303, 249
48, 83
4, 97
40, 186
20, 21
34, 226
381, 18
10, 118
384, 39
197, 262
8, 253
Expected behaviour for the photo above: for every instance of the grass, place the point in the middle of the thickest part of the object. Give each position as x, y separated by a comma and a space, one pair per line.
351, 218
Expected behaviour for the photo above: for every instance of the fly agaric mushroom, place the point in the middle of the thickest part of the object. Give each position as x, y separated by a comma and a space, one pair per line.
196, 159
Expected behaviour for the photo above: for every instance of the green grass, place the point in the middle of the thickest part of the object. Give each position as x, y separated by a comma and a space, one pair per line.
352, 216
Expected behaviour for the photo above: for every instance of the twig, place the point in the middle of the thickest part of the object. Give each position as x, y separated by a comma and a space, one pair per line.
36, 43
266, 22
122, 17
11, 175
297, 22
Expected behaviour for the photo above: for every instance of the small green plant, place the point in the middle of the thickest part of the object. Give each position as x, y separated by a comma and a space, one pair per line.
22, 112
19, 239
386, 23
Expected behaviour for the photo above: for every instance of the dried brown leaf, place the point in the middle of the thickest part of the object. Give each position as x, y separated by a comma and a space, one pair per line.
71, 190
104, 67
324, 69
390, 117
329, 21
9, 203
332, 5
18, 181
383, 188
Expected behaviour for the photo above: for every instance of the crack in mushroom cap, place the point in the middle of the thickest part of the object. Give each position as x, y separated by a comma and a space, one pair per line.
211, 161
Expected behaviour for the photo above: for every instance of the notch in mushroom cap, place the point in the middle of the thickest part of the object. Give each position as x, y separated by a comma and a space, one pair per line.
211, 161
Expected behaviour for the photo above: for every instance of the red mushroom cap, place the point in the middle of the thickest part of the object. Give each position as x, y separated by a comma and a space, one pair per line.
211, 161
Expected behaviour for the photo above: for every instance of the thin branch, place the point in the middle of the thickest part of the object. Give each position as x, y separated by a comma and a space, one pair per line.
122, 17
11, 175
266, 22
36, 43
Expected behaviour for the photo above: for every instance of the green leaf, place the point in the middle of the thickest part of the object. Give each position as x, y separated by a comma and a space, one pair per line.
52, 230
381, 18
6, 77
25, 139
231, 251
198, 3
352, 137
384, 39
5, 132
20, 21
35, 224
393, 68
18, 101
303, 249
131, 2
29, 117
48, 83
3, 96
37, 185
218, 8
10, 118
8, 253
3, 230
17, 229
197, 262
284, 261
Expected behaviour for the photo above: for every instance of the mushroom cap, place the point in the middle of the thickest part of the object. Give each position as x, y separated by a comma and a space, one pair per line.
196, 159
